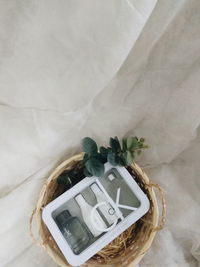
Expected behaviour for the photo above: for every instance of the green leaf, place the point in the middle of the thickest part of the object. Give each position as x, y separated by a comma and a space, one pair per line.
124, 142
135, 143
129, 142
71, 173
87, 173
117, 140
124, 156
112, 158
100, 158
64, 180
95, 167
115, 145
103, 151
89, 145
75, 175
119, 160
129, 158
86, 157
132, 143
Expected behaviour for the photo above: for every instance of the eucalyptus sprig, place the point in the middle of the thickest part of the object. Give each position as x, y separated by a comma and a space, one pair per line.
116, 154
121, 154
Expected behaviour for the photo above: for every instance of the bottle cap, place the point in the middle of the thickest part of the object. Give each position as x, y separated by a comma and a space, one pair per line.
95, 188
111, 177
80, 199
63, 217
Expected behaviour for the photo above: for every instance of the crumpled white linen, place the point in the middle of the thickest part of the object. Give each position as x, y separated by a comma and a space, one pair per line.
71, 69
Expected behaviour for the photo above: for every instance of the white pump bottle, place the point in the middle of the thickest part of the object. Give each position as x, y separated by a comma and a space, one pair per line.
86, 210
107, 210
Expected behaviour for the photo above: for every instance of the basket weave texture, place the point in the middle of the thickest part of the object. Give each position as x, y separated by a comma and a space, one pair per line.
127, 249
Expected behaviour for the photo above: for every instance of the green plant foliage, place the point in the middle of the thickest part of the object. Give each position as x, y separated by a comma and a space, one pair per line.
62, 179
104, 153
86, 172
115, 144
112, 158
132, 143
124, 144
124, 154
71, 177
116, 154
89, 146
95, 167
121, 154
93, 160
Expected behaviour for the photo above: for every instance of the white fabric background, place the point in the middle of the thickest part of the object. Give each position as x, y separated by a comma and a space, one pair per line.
70, 69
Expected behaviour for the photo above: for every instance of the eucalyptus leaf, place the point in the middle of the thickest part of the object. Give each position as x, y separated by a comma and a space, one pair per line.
111, 158
87, 173
129, 158
116, 138
86, 157
129, 142
104, 152
95, 167
89, 145
64, 180
124, 144
119, 160
100, 157
71, 173
132, 143
115, 145
122, 161
118, 142
135, 143
124, 157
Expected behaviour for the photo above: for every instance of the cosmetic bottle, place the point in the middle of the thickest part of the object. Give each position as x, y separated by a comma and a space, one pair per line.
73, 230
106, 209
86, 214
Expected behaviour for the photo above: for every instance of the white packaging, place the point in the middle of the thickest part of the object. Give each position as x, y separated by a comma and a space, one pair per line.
123, 197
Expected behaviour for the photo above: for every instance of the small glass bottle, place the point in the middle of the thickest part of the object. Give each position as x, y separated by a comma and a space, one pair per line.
73, 230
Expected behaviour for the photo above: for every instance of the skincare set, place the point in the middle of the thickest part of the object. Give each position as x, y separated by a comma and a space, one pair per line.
93, 212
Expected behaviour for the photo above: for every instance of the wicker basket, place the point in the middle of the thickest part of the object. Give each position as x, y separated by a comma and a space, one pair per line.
126, 250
